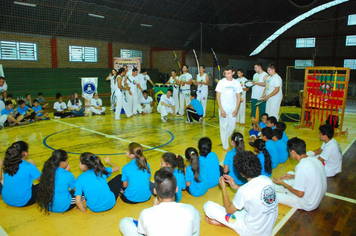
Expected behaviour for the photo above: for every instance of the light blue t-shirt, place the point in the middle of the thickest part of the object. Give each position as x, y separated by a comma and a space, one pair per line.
273, 152
211, 162
63, 181
96, 190
7, 112
262, 125
197, 189
17, 189
139, 182
197, 107
261, 156
22, 111
37, 109
180, 184
282, 151
285, 137
229, 161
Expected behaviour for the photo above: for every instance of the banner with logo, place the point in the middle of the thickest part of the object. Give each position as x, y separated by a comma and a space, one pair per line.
130, 62
89, 87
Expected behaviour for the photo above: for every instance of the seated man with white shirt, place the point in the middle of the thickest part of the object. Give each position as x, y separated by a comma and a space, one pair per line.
166, 105
166, 217
330, 152
146, 103
305, 188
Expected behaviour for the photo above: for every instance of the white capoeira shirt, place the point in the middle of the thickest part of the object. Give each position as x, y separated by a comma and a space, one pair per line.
257, 90
228, 90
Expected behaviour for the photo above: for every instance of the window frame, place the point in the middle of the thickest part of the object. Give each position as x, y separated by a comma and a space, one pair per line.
351, 20
305, 64
80, 55
305, 43
132, 53
353, 61
350, 38
20, 50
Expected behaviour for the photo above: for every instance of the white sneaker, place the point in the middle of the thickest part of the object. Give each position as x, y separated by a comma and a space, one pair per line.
163, 120
57, 117
201, 120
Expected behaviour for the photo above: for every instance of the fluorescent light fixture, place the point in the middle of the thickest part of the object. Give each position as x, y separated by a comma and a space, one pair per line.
146, 25
25, 4
293, 22
96, 15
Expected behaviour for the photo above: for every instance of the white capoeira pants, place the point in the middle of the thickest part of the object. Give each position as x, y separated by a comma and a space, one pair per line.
227, 127
216, 212
3, 119
284, 196
147, 109
202, 97
163, 110
133, 102
176, 98
121, 102
240, 118
272, 107
97, 111
113, 99
184, 96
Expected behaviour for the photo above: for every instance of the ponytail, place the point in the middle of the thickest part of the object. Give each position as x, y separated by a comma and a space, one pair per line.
175, 161
13, 157
46, 188
141, 161
260, 145
238, 138
192, 156
93, 162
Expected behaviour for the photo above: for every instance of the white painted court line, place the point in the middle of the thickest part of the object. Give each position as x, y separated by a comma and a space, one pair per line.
340, 197
283, 221
348, 146
107, 135
2, 232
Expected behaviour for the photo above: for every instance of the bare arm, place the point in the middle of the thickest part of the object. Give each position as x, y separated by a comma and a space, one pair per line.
263, 84
79, 203
125, 184
287, 186
115, 167
108, 78
223, 113
275, 91
238, 102
229, 207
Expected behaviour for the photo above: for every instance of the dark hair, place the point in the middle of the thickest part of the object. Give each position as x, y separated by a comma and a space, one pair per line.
193, 94
114, 70
143, 70
298, 145
170, 90
247, 164
268, 132
165, 183
73, 100
9, 95
202, 66
134, 69
27, 95
241, 70
260, 145
264, 114
281, 126
192, 156
141, 162
259, 64
327, 130
35, 100
2, 77
238, 138
272, 66
174, 71
204, 146
121, 70
20, 102
278, 133
272, 119
46, 188
174, 161
144, 91
8, 103
229, 67
93, 162
185, 66
13, 157
58, 95
40, 94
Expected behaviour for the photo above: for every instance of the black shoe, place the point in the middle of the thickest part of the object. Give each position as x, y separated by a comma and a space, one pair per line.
103, 113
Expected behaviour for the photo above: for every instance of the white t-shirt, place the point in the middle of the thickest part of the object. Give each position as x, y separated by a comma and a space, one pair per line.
228, 90
332, 156
122, 83
168, 218
74, 106
271, 84
2, 105
96, 103
3, 87
258, 198
147, 101
59, 106
143, 80
242, 82
169, 101
311, 179
133, 82
186, 78
202, 87
257, 90
113, 82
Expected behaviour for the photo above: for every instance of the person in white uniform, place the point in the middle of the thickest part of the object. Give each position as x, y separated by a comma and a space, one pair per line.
97, 105
112, 78
146, 103
3, 88
174, 81
166, 105
121, 101
305, 188
330, 152
259, 83
242, 109
273, 92
132, 98
202, 83
185, 81
254, 209
228, 95
183, 220
143, 78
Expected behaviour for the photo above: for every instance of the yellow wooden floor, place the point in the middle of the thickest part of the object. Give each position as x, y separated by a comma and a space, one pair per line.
103, 135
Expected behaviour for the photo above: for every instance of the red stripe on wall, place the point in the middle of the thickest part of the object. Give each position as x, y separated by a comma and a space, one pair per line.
110, 56
54, 52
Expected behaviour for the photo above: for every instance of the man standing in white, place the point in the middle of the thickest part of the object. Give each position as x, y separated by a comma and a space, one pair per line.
166, 105
121, 101
259, 83
228, 95
304, 189
273, 92
132, 98
166, 217
254, 209
202, 83
112, 78
330, 152
242, 110
143, 78
185, 80
174, 81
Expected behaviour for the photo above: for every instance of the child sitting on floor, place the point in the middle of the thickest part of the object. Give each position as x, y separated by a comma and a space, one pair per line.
60, 108
42, 101
210, 160
97, 105
255, 132
39, 113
